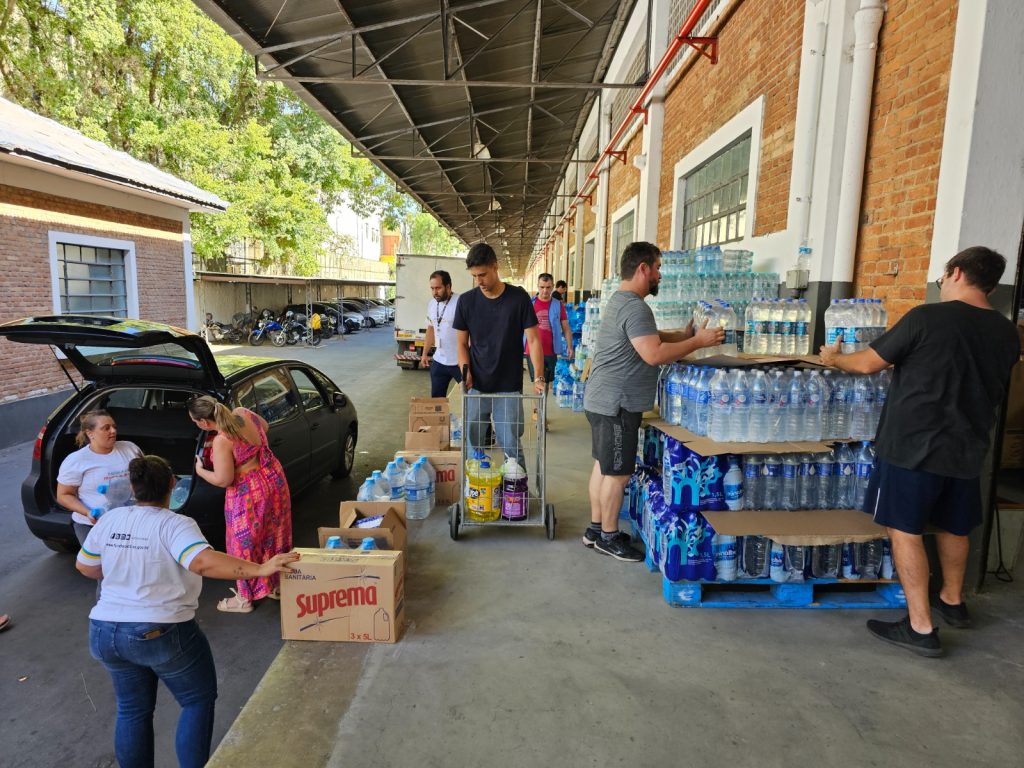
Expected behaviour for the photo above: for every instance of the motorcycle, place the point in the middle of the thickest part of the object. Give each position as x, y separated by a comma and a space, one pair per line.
221, 333
267, 327
297, 329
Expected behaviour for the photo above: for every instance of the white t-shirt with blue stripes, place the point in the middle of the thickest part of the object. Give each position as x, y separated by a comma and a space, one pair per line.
145, 553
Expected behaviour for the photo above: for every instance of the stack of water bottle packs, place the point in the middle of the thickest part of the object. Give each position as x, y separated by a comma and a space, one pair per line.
772, 403
673, 486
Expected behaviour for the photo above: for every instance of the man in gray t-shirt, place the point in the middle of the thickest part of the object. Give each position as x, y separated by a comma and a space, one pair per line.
623, 379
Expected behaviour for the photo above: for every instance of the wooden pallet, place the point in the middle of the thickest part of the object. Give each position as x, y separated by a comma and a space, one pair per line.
764, 593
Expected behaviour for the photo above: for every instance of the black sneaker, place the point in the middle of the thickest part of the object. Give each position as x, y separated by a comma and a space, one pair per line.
590, 537
619, 548
902, 634
954, 615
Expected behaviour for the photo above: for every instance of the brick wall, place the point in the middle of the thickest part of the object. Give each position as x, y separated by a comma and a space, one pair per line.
26, 218
904, 147
759, 54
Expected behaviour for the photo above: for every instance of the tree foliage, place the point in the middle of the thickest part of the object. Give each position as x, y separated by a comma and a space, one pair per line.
426, 235
161, 81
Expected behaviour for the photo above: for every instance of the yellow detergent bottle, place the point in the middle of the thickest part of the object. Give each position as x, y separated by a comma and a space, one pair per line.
483, 491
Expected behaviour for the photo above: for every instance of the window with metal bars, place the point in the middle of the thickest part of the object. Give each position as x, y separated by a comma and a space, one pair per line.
715, 197
622, 235
92, 280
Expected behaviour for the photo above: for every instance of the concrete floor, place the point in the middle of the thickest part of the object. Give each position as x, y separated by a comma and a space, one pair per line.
525, 652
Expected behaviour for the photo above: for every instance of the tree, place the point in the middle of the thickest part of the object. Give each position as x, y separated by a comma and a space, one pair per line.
427, 235
161, 81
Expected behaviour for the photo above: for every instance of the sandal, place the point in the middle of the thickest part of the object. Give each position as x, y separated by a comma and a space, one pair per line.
234, 604
5, 622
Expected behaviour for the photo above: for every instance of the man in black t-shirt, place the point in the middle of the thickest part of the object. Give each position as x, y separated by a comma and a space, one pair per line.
490, 322
951, 368
561, 289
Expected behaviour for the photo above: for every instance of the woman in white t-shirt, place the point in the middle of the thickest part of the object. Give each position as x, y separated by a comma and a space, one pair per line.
143, 627
100, 462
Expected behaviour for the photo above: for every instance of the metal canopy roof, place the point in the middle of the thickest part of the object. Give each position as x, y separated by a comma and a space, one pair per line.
474, 107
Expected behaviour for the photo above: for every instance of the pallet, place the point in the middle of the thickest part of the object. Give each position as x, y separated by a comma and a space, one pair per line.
765, 593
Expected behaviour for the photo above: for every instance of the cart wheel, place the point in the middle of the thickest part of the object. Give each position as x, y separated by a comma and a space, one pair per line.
549, 521
454, 519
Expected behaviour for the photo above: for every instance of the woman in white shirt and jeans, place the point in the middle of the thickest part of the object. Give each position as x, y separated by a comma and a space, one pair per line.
143, 627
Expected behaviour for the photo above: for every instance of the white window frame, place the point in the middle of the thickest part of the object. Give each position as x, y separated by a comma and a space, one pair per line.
747, 120
630, 206
131, 285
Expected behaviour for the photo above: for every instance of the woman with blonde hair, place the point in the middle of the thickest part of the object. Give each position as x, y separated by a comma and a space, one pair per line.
95, 477
257, 504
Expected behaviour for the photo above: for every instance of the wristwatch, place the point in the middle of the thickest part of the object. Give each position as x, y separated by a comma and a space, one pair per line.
540, 379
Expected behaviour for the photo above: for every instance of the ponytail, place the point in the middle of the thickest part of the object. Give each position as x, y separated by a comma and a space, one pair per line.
208, 409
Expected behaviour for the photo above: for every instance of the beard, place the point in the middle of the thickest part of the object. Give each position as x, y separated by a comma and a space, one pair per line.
652, 287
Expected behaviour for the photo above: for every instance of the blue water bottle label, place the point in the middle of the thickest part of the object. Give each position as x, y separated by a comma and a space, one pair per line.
730, 336
833, 335
759, 398
703, 397
864, 470
751, 327
789, 471
801, 328
762, 326
825, 469
773, 470
751, 470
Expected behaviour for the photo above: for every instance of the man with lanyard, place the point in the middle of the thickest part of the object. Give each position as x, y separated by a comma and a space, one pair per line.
490, 322
553, 328
951, 368
440, 347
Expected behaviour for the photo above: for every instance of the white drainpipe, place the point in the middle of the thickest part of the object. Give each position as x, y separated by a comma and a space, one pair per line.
866, 23
809, 129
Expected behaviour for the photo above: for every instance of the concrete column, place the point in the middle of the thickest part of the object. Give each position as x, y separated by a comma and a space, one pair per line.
601, 236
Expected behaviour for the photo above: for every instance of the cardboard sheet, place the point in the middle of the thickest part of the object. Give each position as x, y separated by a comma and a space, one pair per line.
800, 527
707, 447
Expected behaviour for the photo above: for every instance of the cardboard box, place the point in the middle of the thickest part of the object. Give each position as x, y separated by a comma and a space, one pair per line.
448, 468
804, 527
344, 597
705, 446
429, 412
392, 526
426, 439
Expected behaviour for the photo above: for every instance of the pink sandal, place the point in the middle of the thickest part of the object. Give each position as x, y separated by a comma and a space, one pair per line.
234, 604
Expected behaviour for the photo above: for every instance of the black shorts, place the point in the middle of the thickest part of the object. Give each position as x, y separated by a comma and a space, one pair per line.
614, 440
910, 500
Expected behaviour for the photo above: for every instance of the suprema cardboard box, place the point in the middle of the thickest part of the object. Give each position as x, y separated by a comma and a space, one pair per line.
343, 596
447, 472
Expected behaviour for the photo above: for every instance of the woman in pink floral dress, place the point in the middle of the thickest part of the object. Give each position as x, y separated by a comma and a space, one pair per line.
257, 504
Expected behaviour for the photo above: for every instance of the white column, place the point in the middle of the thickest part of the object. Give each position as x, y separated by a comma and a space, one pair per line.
601, 238
653, 132
186, 252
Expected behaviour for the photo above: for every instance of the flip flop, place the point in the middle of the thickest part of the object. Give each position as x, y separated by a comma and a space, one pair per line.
234, 604
5, 622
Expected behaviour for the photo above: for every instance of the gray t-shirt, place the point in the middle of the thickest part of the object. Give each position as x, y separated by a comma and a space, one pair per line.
619, 377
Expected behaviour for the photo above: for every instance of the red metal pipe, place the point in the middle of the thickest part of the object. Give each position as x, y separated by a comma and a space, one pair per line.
638, 106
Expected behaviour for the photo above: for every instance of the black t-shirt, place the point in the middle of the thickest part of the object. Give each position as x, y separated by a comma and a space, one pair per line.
496, 336
951, 367
557, 296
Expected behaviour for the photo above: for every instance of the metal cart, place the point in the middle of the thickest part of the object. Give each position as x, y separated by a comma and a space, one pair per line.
515, 411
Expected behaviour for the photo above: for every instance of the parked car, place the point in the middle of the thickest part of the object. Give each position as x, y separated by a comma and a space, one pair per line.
143, 373
374, 315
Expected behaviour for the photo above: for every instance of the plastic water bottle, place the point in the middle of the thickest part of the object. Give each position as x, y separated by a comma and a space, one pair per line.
772, 474
750, 327
97, 512
886, 570
333, 542
828, 401
368, 544
776, 315
432, 474
845, 476
778, 400
739, 422
684, 397
777, 563
814, 408
417, 492
179, 494
790, 320
870, 557
118, 492
723, 549
755, 556
882, 380
850, 561
796, 562
578, 389
396, 481
675, 396
757, 421
862, 409
795, 427
365, 492
753, 482
864, 463
825, 464
703, 409
834, 330
842, 402
803, 328
733, 484
825, 561
808, 481
380, 488
721, 402
790, 496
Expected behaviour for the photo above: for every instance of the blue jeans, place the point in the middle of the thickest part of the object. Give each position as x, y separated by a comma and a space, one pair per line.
508, 421
181, 657
441, 376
